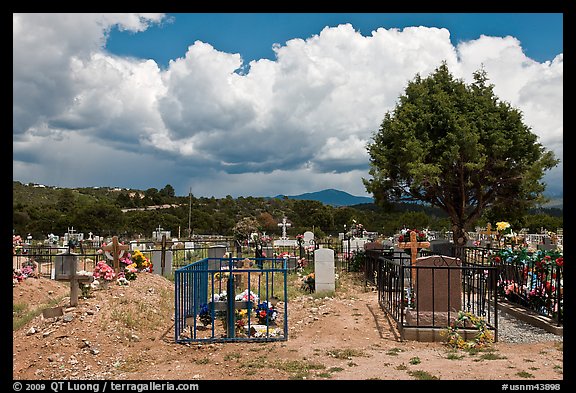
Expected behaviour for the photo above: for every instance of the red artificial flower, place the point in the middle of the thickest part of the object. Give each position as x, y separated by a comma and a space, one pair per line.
560, 261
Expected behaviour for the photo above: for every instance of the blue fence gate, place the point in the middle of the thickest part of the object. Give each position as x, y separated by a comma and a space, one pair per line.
231, 299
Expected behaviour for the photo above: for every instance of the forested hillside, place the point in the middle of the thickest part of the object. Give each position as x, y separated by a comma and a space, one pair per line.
104, 211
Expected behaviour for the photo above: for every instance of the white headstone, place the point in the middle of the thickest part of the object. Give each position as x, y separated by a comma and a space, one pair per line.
324, 270
308, 238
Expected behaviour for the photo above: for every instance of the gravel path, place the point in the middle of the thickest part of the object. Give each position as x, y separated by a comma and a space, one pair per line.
513, 330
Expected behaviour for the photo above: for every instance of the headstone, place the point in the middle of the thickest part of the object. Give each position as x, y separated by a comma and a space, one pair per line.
324, 270
373, 246
291, 263
214, 254
53, 312
442, 247
268, 252
546, 247
157, 262
308, 238
437, 291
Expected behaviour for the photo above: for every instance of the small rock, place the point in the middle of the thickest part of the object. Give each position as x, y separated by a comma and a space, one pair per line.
31, 331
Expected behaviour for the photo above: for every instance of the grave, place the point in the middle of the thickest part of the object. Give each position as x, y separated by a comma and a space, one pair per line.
324, 270
308, 239
214, 254
437, 292
159, 233
162, 259
442, 247
65, 270
114, 251
547, 244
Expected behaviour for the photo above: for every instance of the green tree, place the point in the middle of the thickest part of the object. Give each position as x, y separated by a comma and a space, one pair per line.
167, 191
458, 147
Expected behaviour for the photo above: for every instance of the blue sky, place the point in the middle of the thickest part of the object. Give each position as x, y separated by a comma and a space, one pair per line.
253, 104
253, 34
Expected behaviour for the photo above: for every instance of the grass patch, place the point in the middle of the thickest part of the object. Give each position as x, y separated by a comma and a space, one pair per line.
255, 363
298, 369
347, 353
394, 351
232, 356
491, 356
524, 374
415, 360
21, 315
453, 355
422, 375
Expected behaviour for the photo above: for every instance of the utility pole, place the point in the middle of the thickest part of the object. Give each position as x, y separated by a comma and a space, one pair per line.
190, 214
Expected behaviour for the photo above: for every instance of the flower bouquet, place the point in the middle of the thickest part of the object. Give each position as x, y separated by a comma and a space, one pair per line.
265, 313
204, 315
405, 238
143, 264
103, 273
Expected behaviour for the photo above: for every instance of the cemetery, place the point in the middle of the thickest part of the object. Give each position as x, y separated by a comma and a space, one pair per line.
423, 289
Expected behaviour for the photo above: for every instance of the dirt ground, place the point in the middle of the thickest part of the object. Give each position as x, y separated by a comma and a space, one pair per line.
127, 333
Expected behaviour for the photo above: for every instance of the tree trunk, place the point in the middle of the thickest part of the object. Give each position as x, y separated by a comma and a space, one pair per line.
459, 235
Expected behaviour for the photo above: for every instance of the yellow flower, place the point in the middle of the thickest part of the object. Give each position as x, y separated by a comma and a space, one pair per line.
502, 225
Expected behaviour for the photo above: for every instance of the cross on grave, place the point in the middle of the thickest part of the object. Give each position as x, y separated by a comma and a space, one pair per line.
284, 224
413, 245
67, 272
241, 278
237, 280
115, 251
489, 231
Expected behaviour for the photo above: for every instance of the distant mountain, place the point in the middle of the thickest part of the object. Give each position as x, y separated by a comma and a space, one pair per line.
330, 197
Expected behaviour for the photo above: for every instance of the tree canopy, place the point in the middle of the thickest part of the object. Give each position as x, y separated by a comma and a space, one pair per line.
458, 147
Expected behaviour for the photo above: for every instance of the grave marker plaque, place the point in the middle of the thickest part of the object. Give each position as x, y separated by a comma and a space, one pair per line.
437, 290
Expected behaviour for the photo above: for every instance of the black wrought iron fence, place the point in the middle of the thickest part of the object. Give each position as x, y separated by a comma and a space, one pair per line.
431, 295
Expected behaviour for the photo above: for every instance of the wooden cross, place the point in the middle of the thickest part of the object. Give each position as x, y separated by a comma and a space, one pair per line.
69, 274
413, 245
241, 278
116, 250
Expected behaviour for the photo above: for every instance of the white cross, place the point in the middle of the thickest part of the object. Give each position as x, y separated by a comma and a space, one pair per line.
284, 224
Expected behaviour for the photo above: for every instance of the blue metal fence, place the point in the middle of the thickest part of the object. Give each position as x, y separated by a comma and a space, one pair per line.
231, 299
